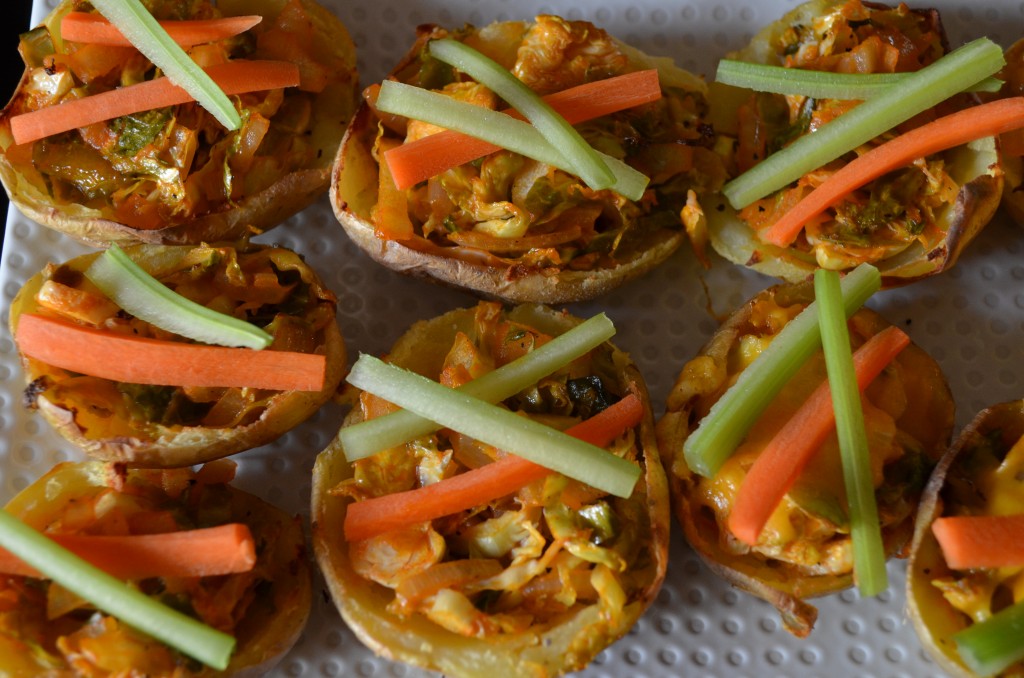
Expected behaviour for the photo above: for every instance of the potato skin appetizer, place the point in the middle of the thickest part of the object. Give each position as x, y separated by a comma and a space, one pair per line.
1011, 144
545, 626
911, 223
805, 550
265, 608
508, 227
175, 175
974, 474
166, 426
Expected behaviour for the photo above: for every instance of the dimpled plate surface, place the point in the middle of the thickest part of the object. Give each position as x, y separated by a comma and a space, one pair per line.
971, 320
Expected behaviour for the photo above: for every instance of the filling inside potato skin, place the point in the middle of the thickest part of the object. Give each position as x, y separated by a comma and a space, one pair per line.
515, 213
170, 165
268, 286
991, 489
45, 630
527, 561
888, 215
809, 531
981, 476
805, 548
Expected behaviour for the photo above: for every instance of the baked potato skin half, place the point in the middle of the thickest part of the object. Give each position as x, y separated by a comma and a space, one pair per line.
1011, 144
910, 234
803, 552
562, 642
267, 607
622, 242
960, 485
111, 195
156, 426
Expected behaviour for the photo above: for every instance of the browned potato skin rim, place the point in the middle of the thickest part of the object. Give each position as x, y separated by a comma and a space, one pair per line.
934, 619
187, 445
782, 586
264, 637
354, 190
566, 646
251, 215
981, 186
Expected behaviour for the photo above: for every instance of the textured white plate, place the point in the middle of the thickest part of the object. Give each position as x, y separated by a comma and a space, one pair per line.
971, 320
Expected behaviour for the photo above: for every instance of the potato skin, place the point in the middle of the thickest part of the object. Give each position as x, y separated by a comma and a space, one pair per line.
976, 169
277, 616
700, 384
353, 194
229, 219
166, 446
1012, 161
557, 648
935, 620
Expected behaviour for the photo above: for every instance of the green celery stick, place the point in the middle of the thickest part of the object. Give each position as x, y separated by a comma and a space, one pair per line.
865, 530
145, 297
820, 84
142, 30
993, 645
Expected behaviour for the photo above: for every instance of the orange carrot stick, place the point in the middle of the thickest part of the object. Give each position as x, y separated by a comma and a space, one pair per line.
952, 130
190, 553
782, 460
981, 541
95, 29
421, 159
368, 518
234, 77
138, 360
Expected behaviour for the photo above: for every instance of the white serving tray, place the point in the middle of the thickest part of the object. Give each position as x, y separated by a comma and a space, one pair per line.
970, 319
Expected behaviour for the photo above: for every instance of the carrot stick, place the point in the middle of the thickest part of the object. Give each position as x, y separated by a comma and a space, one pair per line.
189, 553
95, 29
969, 542
368, 518
234, 77
419, 160
138, 360
952, 130
782, 460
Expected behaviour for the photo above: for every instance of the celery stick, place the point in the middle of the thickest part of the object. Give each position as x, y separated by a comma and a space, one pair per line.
142, 30
727, 423
923, 89
145, 297
187, 635
820, 84
369, 437
586, 161
989, 647
493, 425
865, 530
496, 128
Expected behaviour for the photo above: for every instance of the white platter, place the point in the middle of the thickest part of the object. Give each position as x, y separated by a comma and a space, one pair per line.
971, 320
